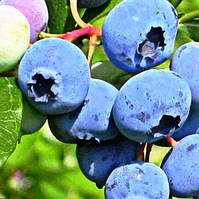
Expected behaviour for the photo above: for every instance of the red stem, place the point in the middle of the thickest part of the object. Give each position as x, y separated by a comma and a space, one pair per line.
70, 36
140, 154
171, 141
94, 30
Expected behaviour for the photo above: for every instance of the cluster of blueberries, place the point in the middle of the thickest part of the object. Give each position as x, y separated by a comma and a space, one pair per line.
108, 124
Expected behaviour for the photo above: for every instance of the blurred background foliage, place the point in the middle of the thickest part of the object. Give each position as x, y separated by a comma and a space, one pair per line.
43, 168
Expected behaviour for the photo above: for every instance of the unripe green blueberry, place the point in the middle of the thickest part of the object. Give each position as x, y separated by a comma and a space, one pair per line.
14, 37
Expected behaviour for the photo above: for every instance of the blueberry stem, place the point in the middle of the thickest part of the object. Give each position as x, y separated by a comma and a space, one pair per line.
171, 141
75, 14
70, 36
92, 43
10, 73
86, 29
141, 152
148, 151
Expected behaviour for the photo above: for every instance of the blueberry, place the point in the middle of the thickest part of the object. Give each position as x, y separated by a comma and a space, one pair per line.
91, 121
140, 34
137, 181
181, 167
32, 120
35, 11
90, 3
54, 75
15, 37
152, 105
97, 161
94, 120
60, 126
185, 62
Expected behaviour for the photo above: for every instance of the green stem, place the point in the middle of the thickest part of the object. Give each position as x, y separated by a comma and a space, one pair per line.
75, 14
189, 16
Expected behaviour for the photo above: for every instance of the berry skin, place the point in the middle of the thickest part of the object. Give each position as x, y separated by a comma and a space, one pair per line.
54, 75
15, 37
181, 167
90, 3
94, 120
138, 39
97, 161
35, 11
137, 181
185, 62
60, 126
148, 108
32, 120
91, 121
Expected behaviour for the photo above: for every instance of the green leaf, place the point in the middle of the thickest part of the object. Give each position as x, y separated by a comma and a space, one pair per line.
96, 15
188, 6
175, 3
191, 29
108, 72
60, 18
10, 117
164, 65
189, 16
99, 55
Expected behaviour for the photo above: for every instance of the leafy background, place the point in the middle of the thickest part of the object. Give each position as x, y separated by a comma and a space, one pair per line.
41, 167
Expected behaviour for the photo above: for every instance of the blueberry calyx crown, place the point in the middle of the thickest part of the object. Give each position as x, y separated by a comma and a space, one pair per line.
42, 85
149, 49
166, 124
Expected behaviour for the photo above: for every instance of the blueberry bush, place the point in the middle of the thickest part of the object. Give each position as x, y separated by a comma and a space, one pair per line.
99, 99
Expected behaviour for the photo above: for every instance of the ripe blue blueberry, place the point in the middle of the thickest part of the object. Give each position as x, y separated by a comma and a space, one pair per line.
181, 167
60, 126
152, 105
97, 161
94, 119
32, 120
54, 75
137, 180
140, 34
185, 62
90, 3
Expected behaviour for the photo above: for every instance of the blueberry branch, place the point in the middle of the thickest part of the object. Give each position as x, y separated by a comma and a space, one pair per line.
70, 36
